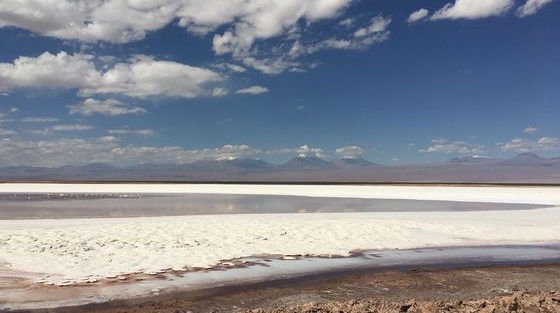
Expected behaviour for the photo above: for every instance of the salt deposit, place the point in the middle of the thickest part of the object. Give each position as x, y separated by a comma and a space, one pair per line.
88, 249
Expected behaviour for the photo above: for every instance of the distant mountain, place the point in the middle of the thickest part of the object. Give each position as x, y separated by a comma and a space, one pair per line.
352, 162
525, 167
251, 164
473, 159
530, 159
307, 163
230, 165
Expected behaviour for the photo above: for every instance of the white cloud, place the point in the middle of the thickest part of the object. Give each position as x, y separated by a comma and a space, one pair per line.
374, 32
347, 22
13, 110
417, 15
253, 90
91, 20
126, 131
108, 107
378, 24
301, 151
144, 77
140, 77
272, 65
350, 151
531, 7
232, 67
441, 145
528, 145
219, 92
179, 155
473, 9
71, 127
40, 120
47, 70
286, 55
237, 25
530, 130
6, 132
305, 150
121, 21
55, 152
108, 149
262, 19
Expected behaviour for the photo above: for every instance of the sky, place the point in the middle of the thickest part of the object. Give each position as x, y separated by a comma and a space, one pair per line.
176, 81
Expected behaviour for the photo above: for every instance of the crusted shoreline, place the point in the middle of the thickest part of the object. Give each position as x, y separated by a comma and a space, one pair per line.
503, 288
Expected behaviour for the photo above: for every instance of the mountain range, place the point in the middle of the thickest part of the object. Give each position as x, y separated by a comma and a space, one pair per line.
523, 168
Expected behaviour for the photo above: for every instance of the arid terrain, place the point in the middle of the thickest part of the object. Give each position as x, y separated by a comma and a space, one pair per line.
512, 288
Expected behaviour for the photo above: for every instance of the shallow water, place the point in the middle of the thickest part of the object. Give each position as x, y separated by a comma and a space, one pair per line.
271, 270
43, 206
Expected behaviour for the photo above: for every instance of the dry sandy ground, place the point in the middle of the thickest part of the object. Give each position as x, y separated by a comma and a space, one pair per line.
528, 288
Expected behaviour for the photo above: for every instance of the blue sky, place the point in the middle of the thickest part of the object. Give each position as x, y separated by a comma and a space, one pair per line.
175, 81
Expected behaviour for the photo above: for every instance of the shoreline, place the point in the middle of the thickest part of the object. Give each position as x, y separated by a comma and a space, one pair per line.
269, 271
402, 285
266, 182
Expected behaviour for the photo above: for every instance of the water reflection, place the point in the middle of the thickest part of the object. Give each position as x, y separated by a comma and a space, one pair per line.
94, 205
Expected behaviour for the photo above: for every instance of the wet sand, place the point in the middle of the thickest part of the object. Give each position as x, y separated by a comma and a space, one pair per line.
529, 288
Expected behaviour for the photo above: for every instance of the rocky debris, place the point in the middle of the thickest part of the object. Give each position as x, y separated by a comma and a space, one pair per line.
517, 302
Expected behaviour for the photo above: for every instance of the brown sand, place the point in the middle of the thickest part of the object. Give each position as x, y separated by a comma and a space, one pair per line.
512, 288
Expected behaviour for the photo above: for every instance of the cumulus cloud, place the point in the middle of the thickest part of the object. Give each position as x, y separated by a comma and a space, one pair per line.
253, 90
48, 70
530, 130
417, 15
89, 21
528, 145
54, 152
126, 131
237, 25
108, 149
350, 152
295, 44
531, 7
117, 21
301, 151
441, 145
140, 77
108, 107
473, 9
305, 151
40, 119
125, 21
263, 19
179, 155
